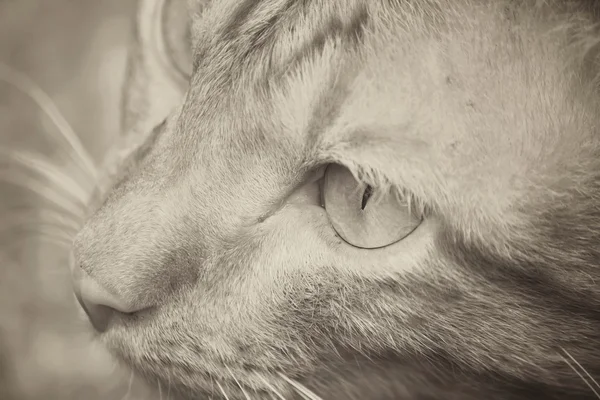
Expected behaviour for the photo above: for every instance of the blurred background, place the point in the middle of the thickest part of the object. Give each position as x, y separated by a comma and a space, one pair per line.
75, 51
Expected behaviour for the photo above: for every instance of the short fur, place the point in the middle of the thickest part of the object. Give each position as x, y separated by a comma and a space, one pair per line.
486, 112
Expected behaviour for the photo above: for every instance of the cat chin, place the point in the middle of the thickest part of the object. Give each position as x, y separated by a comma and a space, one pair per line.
199, 385
327, 383
331, 378
174, 380
352, 376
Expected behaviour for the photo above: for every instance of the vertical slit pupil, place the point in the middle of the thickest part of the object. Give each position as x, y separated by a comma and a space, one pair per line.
366, 196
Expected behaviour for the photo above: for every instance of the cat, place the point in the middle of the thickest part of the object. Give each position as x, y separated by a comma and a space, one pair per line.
353, 199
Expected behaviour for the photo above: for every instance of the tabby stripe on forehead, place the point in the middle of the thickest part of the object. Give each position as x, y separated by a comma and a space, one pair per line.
246, 30
243, 26
233, 27
255, 27
329, 104
351, 33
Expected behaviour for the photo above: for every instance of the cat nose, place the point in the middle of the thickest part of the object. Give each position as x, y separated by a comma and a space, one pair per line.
100, 304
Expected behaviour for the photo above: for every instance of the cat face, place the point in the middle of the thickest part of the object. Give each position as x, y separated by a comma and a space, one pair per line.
365, 199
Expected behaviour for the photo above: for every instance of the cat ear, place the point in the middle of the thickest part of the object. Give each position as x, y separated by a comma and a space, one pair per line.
174, 29
164, 35
197, 5
165, 28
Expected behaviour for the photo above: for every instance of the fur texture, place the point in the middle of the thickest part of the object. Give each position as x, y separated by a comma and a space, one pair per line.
484, 112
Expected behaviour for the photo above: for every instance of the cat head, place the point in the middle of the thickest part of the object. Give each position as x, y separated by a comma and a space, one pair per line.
365, 199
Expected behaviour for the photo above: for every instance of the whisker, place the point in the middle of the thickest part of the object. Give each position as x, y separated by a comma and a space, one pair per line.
129, 386
303, 390
13, 244
222, 390
236, 381
577, 371
582, 377
168, 385
39, 230
159, 389
272, 388
26, 226
44, 191
37, 164
581, 367
14, 219
25, 85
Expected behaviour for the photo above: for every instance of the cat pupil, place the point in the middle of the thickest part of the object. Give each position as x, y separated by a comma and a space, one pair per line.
366, 196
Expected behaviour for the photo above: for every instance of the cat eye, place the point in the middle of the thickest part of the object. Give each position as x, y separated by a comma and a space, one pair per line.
361, 214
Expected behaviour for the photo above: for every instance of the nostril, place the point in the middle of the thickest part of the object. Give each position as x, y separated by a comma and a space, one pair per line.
99, 304
98, 315
94, 293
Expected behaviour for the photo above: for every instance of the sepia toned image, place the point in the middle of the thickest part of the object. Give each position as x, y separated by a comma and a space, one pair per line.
296, 199
62, 65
